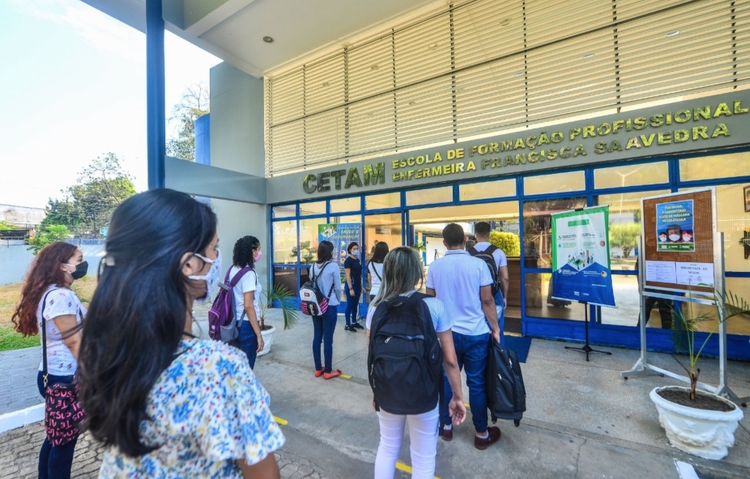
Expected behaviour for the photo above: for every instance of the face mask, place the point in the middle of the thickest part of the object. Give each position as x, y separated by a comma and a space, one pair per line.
211, 278
257, 257
686, 238
355, 252
674, 237
81, 269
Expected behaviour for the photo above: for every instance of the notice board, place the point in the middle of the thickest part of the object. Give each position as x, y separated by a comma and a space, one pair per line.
678, 236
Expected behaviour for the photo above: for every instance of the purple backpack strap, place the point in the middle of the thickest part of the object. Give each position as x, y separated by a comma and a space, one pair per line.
237, 276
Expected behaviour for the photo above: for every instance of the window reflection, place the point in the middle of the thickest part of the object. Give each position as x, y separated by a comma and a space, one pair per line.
308, 240
284, 241
537, 227
539, 302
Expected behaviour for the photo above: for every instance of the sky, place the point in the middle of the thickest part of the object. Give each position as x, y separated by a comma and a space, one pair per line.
73, 82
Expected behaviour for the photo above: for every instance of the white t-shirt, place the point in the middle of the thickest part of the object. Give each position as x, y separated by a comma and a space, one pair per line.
249, 282
376, 275
500, 258
456, 279
440, 319
60, 302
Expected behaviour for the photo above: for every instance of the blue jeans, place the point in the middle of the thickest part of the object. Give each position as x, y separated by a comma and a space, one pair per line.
248, 342
323, 328
471, 352
352, 303
500, 307
55, 462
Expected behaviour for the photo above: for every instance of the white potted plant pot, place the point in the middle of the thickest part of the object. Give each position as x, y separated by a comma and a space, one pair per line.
704, 433
267, 339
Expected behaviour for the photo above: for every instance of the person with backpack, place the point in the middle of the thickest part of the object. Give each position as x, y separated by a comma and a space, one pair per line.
353, 289
497, 262
247, 296
162, 402
325, 275
402, 324
375, 268
464, 285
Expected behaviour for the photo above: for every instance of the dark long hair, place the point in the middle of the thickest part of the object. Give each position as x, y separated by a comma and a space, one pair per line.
325, 252
138, 312
44, 271
381, 249
243, 251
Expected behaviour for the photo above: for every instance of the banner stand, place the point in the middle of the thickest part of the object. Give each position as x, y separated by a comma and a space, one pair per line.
586, 348
643, 368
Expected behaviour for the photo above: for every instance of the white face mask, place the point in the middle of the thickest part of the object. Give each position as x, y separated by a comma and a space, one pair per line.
674, 237
211, 278
355, 252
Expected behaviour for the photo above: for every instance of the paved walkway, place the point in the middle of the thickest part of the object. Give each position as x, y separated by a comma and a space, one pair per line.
18, 370
583, 420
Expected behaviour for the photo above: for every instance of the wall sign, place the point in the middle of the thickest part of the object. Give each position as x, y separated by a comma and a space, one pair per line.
699, 124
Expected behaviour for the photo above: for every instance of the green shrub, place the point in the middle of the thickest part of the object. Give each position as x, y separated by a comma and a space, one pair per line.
510, 243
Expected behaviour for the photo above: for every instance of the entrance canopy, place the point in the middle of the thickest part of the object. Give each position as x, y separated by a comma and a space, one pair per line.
234, 30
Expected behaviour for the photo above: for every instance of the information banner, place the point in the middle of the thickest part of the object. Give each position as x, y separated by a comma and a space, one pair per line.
580, 256
341, 234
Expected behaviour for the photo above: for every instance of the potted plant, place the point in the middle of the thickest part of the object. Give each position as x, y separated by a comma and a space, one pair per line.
695, 421
279, 296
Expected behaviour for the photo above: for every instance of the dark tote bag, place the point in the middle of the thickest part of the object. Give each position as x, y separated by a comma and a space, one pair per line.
63, 412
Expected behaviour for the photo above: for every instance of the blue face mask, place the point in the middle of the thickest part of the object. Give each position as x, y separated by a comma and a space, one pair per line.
211, 278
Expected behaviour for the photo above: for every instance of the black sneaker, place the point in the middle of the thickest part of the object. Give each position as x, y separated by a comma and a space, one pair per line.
350, 328
357, 325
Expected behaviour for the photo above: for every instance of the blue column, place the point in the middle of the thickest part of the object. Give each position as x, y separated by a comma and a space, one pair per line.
155, 96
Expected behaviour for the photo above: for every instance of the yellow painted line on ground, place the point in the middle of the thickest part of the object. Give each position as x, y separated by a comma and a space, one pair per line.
281, 422
407, 469
467, 405
345, 376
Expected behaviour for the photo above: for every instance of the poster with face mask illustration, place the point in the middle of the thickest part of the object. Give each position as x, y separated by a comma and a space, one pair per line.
674, 226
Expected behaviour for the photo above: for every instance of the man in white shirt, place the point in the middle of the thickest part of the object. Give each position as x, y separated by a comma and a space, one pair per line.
482, 234
464, 284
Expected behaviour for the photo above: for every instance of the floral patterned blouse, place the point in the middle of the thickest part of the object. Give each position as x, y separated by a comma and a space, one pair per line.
207, 410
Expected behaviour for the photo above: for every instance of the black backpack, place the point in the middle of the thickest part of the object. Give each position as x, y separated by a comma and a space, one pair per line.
487, 257
506, 394
404, 360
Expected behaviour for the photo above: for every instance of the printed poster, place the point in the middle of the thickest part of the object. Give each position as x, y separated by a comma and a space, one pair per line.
674, 226
340, 234
580, 257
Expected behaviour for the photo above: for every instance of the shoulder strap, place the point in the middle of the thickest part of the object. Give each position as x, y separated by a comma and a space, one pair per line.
490, 249
236, 278
472, 251
44, 337
334, 280
374, 269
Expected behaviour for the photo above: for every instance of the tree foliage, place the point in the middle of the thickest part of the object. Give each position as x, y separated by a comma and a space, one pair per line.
48, 234
88, 205
624, 236
193, 105
5, 226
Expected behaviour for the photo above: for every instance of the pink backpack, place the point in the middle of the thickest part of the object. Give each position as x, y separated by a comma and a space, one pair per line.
223, 324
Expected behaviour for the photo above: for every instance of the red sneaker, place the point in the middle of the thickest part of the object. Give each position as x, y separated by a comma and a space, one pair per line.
332, 374
318, 373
